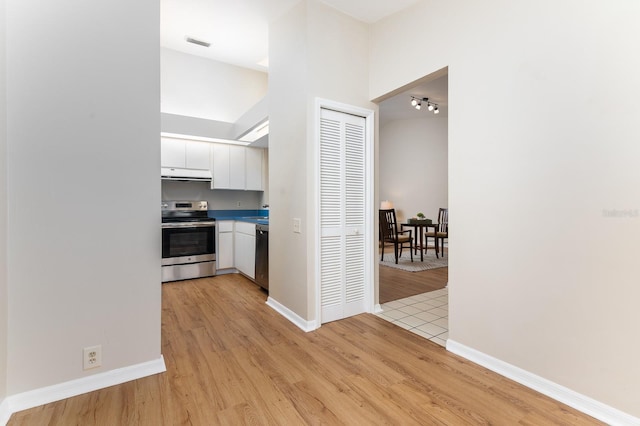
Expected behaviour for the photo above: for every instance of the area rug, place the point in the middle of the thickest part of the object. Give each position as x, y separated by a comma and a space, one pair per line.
404, 262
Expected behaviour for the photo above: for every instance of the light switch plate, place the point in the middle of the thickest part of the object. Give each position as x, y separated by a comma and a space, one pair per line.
296, 225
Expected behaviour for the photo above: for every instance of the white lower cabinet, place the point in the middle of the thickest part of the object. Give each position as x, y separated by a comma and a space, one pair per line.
245, 248
224, 254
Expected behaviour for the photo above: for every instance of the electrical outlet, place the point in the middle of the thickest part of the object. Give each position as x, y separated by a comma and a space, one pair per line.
296, 225
92, 357
239, 203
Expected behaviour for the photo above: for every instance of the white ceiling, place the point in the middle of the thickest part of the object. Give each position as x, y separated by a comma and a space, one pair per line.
238, 33
369, 11
238, 29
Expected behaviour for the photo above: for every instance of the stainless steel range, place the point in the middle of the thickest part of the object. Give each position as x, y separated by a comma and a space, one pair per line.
188, 241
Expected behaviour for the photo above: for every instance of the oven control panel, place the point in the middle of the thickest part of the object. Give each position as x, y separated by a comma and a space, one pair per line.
184, 205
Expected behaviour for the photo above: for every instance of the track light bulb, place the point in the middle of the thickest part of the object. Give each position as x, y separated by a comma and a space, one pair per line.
418, 106
430, 107
436, 111
414, 102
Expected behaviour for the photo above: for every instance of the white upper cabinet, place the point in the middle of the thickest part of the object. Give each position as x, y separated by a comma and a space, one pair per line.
198, 155
183, 154
254, 173
221, 167
237, 167
232, 166
172, 153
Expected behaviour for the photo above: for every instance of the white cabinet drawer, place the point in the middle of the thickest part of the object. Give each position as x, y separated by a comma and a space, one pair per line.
225, 225
246, 228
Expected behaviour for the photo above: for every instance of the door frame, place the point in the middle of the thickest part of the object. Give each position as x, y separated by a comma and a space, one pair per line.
369, 116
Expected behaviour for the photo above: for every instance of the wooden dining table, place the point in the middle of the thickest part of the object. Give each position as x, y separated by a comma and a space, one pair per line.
419, 229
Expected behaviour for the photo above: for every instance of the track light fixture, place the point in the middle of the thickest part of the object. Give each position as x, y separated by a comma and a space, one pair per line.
417, 104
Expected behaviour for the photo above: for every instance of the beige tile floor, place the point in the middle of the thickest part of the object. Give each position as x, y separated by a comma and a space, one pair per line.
425, 314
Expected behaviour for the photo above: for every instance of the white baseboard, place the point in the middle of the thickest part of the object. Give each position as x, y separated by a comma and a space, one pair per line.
41, 396
589, 406
300, 322
377, 309
5, 413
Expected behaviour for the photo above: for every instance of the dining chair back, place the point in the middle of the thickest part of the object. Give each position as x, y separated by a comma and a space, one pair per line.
443, 220
441, 231
389, 234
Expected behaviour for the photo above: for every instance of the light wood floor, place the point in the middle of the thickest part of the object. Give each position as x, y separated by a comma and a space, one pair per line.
231, 360
397, 284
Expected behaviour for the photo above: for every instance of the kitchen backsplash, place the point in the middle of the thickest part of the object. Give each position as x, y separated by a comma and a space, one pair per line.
218, 199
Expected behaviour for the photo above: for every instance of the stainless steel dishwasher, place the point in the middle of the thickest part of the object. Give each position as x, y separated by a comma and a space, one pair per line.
262, 256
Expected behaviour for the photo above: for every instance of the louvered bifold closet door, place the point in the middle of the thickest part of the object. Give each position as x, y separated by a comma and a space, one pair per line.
342, 215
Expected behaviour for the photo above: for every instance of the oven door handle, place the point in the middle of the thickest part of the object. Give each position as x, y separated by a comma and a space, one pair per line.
188, 225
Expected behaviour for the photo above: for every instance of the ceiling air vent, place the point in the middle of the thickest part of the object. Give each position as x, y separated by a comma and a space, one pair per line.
196, 41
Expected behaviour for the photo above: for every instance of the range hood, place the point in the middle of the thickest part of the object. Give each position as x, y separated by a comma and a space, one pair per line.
168, 173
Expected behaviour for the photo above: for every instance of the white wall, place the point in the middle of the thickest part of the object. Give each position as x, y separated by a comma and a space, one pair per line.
257, 114
184, 125
218, 199
542, 275
4, 303
203, 88
83, 102
308, 58
338, 69
413, 165
288, 71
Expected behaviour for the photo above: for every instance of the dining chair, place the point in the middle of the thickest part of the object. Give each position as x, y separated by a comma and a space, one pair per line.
440, 231
389, 234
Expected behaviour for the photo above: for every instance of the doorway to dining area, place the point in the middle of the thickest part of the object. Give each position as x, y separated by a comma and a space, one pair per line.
416, 301
413, 150
413, 172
